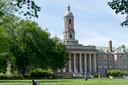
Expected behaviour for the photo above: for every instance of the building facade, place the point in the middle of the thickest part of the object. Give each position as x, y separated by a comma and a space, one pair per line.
90, 59
115, 59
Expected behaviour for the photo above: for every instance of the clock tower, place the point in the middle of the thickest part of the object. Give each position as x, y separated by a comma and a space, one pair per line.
69, 32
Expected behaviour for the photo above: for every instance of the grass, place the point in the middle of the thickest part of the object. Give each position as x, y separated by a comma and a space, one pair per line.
68, 82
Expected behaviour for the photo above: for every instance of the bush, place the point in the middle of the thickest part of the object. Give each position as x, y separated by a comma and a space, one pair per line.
95, 75
115, 73
39, 73
11, 76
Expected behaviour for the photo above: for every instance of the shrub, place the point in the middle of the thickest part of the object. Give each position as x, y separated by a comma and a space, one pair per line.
10, 76
115, 73
39, 73
95, 75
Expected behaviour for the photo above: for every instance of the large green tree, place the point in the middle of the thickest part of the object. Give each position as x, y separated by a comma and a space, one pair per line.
28, 42
5, 53
8, 26
3, 49
58, 55
31, 46
120, 6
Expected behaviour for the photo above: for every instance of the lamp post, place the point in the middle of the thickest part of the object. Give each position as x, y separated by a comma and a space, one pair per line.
85, 76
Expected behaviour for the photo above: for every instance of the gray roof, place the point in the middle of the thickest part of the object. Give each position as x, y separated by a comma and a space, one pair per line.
120, 50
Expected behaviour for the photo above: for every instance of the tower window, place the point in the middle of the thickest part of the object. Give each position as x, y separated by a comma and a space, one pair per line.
69, 21
70, 36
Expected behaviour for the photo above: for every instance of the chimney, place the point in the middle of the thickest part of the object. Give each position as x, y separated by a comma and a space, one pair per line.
110, 46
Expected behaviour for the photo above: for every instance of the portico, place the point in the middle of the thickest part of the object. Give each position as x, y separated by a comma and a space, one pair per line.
81, 62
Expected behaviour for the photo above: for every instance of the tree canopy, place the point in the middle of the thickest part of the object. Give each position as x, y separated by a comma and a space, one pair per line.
26, 7
28, 45
58, 54
120, 6
31, 7
4, 45
24, 43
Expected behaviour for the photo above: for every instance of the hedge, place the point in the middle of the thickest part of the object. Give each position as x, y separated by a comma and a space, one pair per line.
39, 73
116, 73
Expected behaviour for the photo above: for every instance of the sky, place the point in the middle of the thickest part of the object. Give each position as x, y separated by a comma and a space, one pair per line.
95, 22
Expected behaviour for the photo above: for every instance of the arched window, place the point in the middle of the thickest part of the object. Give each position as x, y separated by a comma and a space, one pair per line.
70, 36
70, 21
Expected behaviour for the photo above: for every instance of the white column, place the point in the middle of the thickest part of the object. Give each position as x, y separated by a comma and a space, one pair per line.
85, 64
95, 63
74, 62
70, 70
90, 66
80, 61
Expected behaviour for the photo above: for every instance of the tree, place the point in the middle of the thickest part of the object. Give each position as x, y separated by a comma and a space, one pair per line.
27, 42
7, 26
3, 48
6, 8
120, 6
30, 5
58, 55
25, 7
31, 46
3, 65
4, 45
5, 55
34, 47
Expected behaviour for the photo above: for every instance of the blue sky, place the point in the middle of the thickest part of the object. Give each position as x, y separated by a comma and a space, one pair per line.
95, 22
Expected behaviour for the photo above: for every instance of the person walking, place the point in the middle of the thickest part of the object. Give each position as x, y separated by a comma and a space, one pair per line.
34, 82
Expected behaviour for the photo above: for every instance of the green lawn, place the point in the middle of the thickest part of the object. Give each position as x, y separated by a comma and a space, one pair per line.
68, 82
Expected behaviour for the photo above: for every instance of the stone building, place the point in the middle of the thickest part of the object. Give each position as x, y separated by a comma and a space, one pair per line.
112, 59
105, 59
90, 59
121, 59
82, 58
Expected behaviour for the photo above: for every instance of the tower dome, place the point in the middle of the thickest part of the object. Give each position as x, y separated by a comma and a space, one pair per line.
68, 12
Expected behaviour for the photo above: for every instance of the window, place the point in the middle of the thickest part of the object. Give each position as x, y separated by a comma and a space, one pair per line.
99, 64
120, 57
69, 21
70, 36
105, 64
120, 64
